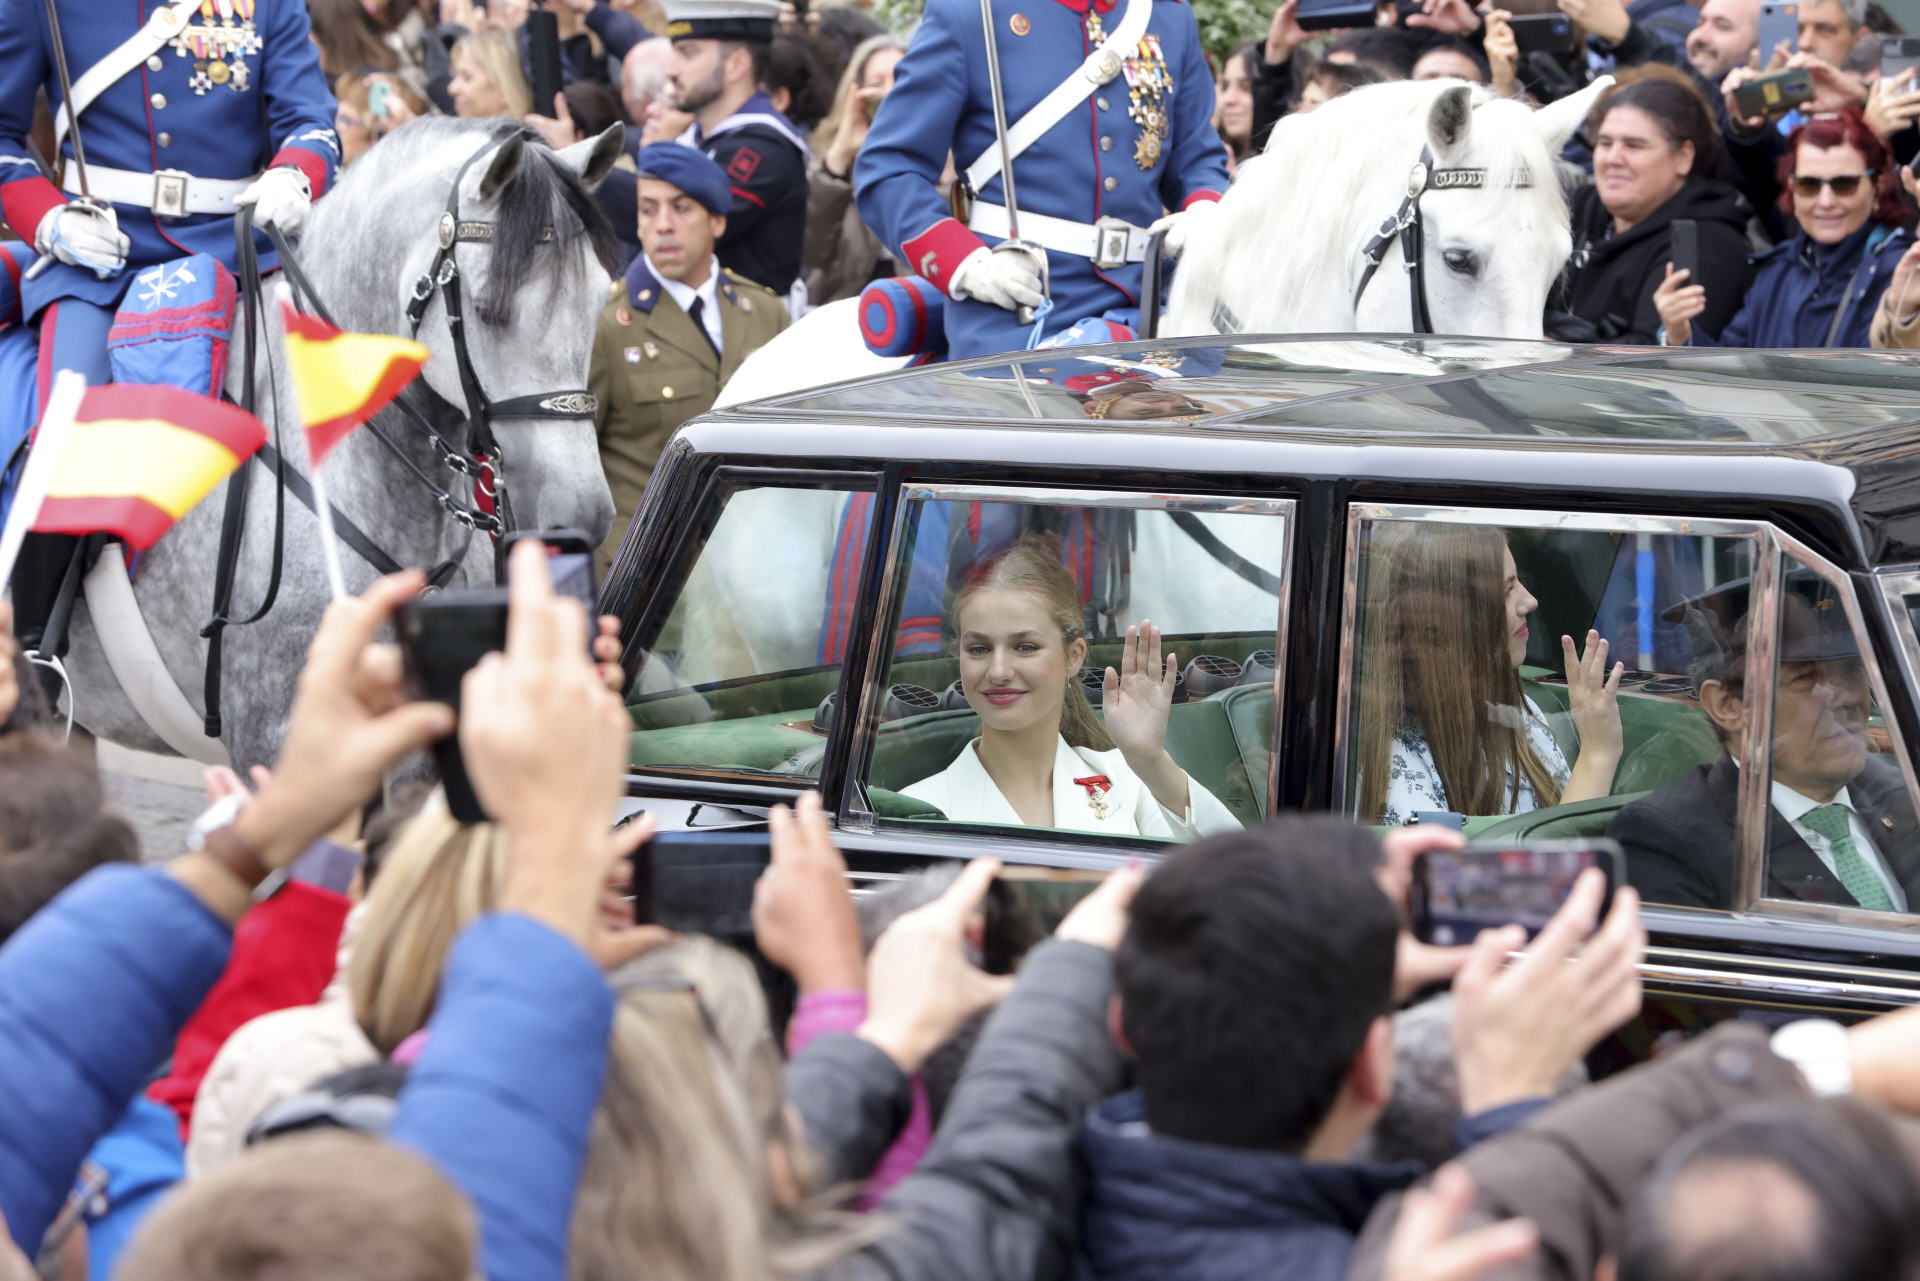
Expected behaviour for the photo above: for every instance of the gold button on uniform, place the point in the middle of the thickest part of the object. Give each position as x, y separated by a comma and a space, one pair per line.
1106, 144
1100, 103
154, 63
1018, 22
1111, 183
666, 393
159, 101
164, 138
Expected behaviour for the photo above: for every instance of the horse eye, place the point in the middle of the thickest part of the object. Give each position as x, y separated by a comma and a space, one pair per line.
1464, 261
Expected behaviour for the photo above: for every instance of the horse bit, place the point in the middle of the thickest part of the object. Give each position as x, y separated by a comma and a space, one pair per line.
1407, 226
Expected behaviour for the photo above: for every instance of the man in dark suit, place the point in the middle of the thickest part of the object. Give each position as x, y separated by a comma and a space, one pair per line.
1841, 827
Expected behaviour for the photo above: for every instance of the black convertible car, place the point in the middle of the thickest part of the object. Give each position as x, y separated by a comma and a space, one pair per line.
1318, 526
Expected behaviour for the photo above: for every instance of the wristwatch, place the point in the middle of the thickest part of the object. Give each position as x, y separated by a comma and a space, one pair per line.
1821, 1050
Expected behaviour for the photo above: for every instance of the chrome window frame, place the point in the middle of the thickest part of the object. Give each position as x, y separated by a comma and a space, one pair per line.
1842, 582
1753, 798
854, 812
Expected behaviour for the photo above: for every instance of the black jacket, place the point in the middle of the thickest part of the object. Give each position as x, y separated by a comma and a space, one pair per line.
1681, 847
1609, 280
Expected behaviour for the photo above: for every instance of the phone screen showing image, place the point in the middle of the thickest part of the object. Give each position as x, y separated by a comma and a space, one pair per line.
573, 576
1458, 893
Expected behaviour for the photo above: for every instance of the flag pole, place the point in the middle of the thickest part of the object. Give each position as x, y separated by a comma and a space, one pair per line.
322, 507
56, 423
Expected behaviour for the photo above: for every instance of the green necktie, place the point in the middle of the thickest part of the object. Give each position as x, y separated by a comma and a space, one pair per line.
1831, 822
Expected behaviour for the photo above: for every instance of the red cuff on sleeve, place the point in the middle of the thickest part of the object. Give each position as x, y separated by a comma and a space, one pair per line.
1197, 197
307, 163
935, 252
26, 201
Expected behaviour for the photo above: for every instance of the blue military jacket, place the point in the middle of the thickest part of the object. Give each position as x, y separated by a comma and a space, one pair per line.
766, 166
269, 105
1090, 165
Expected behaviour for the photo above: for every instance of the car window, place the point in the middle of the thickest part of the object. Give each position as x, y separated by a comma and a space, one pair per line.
1021, 689
1461, 707
740, 674
1840, 823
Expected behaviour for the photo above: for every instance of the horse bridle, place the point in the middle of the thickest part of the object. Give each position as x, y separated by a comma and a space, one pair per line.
1409, 228
484, 466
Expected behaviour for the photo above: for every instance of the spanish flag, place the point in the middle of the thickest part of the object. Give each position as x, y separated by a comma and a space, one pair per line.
343, 379
137, 459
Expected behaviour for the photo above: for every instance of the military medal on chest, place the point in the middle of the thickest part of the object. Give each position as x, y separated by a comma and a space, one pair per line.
218, 45
1097, 785
1149, 86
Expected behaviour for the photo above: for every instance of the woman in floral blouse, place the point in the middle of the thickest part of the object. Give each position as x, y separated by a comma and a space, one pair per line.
1444, 723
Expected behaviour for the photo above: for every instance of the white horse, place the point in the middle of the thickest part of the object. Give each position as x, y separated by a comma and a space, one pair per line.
531, 300
1282, 252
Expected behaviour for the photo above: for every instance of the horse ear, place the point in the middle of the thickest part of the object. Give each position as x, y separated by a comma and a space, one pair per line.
505, 164
593, 158
1557, 121
1450, 121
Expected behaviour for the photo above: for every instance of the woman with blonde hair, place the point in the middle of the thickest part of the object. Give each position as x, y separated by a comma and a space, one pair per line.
1444, 722
1044, 758
486, 75
841, 254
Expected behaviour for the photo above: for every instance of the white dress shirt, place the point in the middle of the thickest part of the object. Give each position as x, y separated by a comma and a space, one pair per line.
1793, 807
966, 793
708, 294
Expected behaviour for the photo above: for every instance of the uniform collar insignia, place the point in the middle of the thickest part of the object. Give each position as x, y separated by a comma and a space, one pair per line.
726, 290
642, 288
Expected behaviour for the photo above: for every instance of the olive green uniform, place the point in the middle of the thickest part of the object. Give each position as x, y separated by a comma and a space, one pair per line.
653, 369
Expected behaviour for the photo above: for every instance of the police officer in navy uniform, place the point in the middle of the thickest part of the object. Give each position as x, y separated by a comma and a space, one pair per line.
1131, 140
187, 109
719, 60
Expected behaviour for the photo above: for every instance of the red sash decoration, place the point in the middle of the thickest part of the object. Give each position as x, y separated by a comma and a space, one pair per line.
1097, 785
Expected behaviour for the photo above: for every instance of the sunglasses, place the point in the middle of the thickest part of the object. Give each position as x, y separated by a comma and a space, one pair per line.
1843, 186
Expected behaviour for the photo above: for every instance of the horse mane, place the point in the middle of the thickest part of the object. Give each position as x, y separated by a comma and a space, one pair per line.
1299, 211
543, 193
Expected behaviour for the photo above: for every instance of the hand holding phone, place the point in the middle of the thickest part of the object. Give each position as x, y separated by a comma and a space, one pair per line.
1543, 32
1519, 1025
1684, 255
1455, 894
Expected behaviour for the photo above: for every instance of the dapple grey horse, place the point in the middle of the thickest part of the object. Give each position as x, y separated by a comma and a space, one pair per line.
531, 303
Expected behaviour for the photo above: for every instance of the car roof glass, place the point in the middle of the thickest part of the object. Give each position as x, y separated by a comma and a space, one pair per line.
1408, 386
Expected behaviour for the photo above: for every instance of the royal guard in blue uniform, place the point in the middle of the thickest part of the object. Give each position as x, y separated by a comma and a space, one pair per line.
186, 110
719, 58
1109, 109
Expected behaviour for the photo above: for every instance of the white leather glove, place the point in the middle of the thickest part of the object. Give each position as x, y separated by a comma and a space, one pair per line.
281, 196
84, 235
1002, 278
1187, 226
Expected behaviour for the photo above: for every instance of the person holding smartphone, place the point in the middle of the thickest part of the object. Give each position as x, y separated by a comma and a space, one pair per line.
1822, 287
1655, 152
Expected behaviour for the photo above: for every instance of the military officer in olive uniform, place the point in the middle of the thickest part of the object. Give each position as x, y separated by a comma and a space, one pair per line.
675, 329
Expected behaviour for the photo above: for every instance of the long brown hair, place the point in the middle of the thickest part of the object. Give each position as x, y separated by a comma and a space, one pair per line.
1435, 660
1032, 567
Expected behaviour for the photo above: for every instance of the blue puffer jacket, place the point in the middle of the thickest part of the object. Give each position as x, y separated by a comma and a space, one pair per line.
1161, 1209
1799, 284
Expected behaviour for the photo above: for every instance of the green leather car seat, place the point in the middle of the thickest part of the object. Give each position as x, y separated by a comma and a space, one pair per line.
1559, 822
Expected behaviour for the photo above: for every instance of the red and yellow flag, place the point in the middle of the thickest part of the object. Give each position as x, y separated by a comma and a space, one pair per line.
343, 379
138, 458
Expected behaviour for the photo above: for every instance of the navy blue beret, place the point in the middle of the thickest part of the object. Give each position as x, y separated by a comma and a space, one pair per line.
690, 170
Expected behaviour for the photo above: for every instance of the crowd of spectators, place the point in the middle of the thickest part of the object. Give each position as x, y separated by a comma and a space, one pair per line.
304, 1047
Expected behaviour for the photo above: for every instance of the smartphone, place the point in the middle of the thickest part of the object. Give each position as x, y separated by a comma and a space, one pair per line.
1685, 251
377, 97
1543, 32
701, 880
1898, 56
543, 51
1457, 893
441, 637
1407, 8
1774, 94
1329, 15
872, 106
569, 562
1779, 20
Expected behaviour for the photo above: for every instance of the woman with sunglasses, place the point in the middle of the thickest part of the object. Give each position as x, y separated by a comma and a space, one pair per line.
1822, 287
